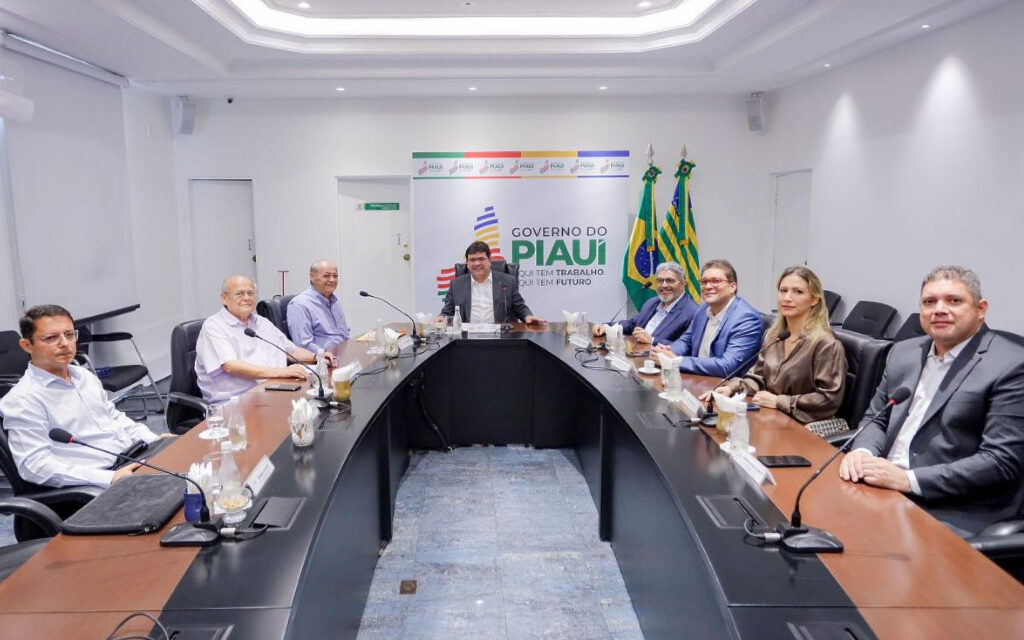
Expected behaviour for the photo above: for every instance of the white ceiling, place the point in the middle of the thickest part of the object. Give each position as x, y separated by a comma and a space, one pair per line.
212, 48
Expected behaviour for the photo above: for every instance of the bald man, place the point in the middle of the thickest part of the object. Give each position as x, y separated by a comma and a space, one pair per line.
315, 318
228, 362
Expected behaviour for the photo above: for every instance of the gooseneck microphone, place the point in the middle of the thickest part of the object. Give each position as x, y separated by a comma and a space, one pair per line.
416, 340
710, 415
249, 331
647, 285
183, 534
801, 539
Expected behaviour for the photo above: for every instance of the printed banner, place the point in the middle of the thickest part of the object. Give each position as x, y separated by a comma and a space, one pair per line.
559, 214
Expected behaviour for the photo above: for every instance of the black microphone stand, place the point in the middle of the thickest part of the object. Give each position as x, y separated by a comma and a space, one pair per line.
416, 339
324, 402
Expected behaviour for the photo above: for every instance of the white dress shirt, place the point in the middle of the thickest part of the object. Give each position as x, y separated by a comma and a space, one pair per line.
711, 329
42, 401
482, 306
221, 339
934, 370
660, 313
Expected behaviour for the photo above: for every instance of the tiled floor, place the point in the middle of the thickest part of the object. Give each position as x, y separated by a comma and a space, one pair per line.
502, 543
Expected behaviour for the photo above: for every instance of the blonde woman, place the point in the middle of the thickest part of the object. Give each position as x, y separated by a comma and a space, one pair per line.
803, 375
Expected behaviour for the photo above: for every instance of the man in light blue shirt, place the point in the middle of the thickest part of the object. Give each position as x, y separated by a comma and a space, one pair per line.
315, 318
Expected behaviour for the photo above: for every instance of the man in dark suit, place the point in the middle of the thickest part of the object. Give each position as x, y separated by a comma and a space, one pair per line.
725, 330
957, 448
664, 318
485, 296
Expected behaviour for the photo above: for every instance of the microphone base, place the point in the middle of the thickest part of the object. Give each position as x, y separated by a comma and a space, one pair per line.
808, 540
709, 419
188, 534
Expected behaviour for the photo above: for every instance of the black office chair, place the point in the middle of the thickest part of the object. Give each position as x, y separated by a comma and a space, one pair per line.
911, 328
865, 362
766, 320
185, 406
46, 521
501, 266
276, 310
13, 360
870, 318
832, 302
121, 380
62, 500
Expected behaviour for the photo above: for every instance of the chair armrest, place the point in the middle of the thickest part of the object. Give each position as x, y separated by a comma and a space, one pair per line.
186, 399
999, 546
78, 493
38, 513
114, 336
1003, 528
838, 439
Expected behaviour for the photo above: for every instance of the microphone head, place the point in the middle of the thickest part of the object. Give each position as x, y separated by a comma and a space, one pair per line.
784, 335
899, 395
648, 285
249, 331
364, 294
61, 435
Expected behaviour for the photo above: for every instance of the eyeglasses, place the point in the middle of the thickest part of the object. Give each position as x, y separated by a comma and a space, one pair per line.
54, 338
712, 282
239, 295
668, 281
478, 260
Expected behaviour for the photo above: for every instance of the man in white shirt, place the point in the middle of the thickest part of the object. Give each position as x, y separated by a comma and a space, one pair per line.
484, 296
957, 446
55, 394
228, 362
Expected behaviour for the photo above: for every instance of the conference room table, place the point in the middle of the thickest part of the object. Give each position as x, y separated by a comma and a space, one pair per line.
669, 501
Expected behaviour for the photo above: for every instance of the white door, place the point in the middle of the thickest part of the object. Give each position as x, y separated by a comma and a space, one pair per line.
223, 240
375, 248
792, 219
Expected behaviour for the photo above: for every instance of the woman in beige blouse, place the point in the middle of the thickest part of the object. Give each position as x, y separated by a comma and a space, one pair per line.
803, 375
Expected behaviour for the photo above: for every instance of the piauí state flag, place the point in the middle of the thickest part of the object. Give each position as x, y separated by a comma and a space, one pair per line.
641, 259
678, 236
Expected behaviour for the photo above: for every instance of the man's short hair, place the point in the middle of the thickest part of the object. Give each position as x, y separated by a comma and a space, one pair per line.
956, 272
318, 265
724, 265
27, 324
478, 247
674, 268
224, 285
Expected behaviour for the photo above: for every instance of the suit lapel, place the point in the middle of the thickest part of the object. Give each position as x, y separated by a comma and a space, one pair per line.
700, 323
902, 410
958, 371
497, 299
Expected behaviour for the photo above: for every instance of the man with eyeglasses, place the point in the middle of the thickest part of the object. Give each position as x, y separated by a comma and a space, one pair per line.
662, 319
725, 331
55, 394
315, 318
228, 362
485, 296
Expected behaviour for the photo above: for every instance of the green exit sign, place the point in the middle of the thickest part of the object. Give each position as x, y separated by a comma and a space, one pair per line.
380, 206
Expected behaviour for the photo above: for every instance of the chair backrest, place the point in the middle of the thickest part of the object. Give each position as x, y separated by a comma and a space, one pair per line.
911, 328
501, 266
870, 318
832, 301
10, 470
1009, 335
13, 359
276, 310
766, 320
865, 362
183, 372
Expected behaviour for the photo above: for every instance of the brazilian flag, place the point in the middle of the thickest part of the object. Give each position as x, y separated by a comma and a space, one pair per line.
678, 236
641, 259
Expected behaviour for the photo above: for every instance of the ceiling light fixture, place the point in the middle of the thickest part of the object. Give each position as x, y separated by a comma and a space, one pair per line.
339, 88
643, 4
602, 88
828, 65
472, 88
303, 5
926, 26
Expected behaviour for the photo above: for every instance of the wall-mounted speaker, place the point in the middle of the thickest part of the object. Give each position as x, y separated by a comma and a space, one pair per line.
755, 111
183, 116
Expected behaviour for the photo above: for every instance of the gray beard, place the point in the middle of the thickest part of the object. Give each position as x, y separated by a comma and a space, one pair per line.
666, 299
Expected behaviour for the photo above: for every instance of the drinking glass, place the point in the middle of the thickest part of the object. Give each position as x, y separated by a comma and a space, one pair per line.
215, 427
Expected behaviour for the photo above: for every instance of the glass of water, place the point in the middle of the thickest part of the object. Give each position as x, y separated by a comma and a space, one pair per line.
216, 429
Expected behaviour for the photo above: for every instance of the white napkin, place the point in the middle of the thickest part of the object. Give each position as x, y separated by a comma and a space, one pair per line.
571, 316
612, 332
669, 361
736, 403
302, 411
424, 318
347, 372
200, 473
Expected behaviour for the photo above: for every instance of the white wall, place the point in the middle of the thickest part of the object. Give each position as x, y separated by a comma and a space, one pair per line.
294, 149
917, 161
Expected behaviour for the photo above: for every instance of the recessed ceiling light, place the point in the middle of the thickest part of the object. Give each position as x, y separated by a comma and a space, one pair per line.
828, 65
339, 88
303, 5
468, 4
602, 88
926, 26
643, 4
472, 88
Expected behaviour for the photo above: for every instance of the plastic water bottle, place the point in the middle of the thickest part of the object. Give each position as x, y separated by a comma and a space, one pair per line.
236, 424
739, 433
321, 369
457, 322
378, 337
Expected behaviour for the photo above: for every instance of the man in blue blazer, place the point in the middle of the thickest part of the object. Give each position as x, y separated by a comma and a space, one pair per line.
662, 319
725, 330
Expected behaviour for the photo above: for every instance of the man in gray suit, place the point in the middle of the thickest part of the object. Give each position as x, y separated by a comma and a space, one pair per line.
485, 296
957, 448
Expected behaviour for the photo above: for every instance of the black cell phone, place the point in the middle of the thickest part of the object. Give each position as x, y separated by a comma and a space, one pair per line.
784, 461
283, 386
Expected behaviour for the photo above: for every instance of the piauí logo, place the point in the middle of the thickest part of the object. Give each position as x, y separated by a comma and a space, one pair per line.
485, 229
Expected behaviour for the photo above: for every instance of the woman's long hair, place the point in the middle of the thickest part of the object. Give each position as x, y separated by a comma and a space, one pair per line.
817, 325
